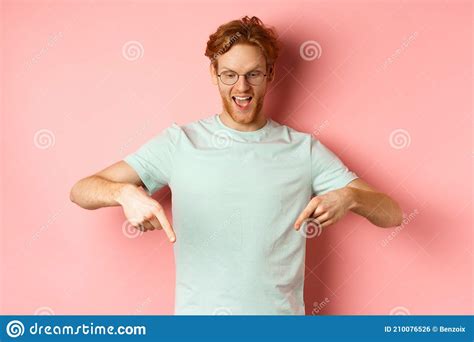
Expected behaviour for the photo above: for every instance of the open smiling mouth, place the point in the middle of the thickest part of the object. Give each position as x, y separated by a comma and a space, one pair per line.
242, 102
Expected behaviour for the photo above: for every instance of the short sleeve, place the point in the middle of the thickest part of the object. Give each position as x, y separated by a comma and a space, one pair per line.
154, 160
328, 172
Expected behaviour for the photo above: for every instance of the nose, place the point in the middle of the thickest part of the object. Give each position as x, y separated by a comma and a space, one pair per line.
242, 85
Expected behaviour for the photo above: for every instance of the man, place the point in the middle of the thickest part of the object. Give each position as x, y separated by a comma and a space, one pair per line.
242, 188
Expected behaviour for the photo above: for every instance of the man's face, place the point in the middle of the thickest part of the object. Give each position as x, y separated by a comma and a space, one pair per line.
242, 59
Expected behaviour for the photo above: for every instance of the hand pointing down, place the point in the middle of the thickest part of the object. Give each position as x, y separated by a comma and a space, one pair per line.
143, 212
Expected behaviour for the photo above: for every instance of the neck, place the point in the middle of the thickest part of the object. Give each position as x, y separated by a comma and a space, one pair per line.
259, 122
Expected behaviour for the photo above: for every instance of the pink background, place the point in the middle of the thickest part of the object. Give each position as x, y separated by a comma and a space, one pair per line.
390, 94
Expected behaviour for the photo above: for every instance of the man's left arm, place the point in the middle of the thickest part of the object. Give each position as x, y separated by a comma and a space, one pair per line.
358, 197
377, 207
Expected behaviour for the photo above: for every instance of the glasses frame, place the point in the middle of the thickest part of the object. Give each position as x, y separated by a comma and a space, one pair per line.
238, 77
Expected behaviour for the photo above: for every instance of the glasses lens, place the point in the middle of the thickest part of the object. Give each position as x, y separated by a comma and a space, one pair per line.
229, 77
255, 77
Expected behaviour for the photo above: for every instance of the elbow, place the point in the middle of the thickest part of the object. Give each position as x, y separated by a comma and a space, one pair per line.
398, 215
396, 219
72, 196
399, 220
75, 195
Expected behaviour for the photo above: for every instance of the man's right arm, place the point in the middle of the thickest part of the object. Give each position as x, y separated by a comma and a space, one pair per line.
105, 187
119, 184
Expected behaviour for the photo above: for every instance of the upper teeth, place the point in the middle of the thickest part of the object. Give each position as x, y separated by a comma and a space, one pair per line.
242, 98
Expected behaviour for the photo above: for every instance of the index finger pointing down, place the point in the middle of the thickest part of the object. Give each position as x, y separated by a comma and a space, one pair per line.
160, 215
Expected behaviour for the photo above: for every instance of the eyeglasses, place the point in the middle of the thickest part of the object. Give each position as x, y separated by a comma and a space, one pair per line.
231, 77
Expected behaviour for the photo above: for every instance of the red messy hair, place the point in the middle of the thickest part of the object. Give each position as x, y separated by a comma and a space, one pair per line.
244, 31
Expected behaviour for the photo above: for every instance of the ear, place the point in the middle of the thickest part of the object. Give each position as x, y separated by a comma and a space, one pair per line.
271, 73
212, 70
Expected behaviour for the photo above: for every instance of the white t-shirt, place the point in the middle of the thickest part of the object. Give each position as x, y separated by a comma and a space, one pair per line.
235, 198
